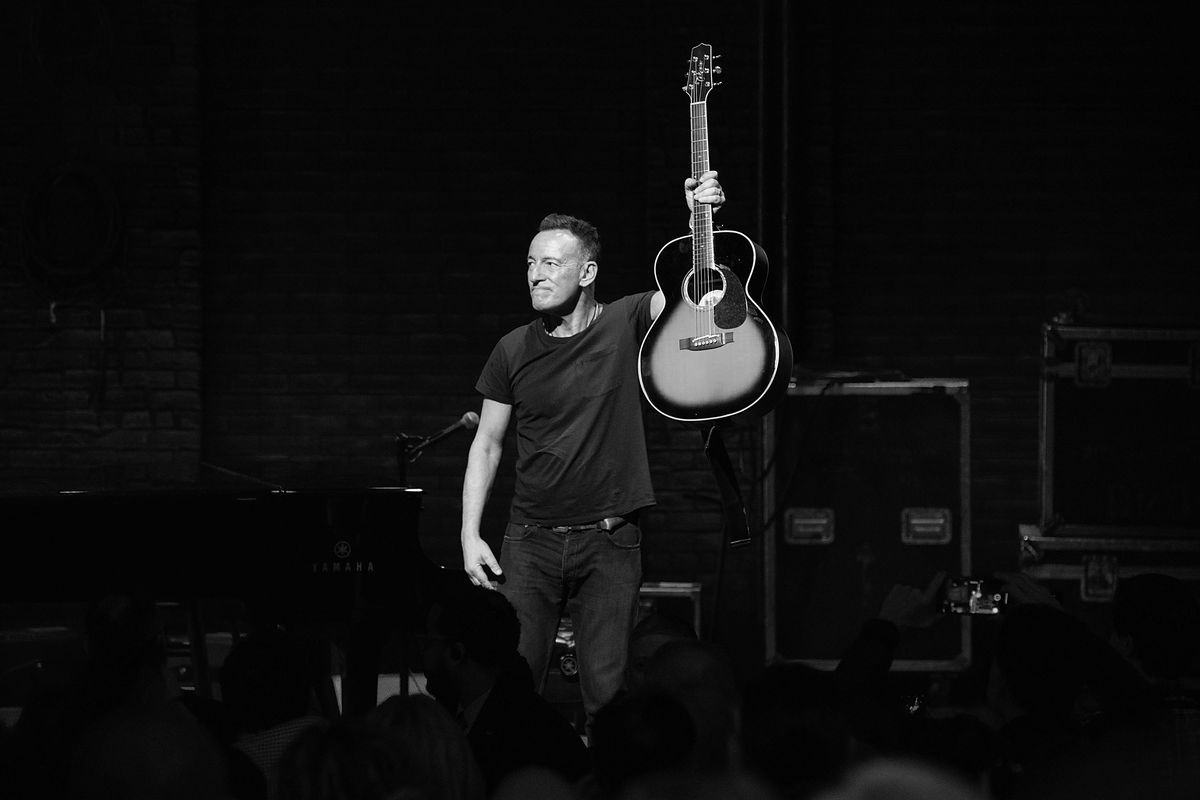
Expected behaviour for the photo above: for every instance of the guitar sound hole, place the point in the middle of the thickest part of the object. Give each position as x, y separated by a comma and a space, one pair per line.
703, 288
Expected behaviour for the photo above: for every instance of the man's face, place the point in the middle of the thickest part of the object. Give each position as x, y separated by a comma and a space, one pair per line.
555, 267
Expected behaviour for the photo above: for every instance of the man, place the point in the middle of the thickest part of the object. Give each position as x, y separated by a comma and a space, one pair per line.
1156, 627
472, 667
570, 380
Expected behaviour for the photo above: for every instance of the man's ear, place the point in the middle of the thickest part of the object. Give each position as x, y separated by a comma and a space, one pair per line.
588, 272
458, 651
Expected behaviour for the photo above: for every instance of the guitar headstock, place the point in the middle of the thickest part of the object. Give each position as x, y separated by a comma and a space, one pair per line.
701, 73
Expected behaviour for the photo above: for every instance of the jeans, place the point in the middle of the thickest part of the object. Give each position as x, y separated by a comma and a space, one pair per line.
593, 574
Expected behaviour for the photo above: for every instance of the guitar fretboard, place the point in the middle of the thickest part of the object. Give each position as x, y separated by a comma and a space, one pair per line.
702, 233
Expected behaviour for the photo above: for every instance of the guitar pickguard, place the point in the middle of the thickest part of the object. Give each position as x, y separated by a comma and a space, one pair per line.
731, 310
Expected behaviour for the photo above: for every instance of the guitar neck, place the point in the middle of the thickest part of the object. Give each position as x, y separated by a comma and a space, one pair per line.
702, 231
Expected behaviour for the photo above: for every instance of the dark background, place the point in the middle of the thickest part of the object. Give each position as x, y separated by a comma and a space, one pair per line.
248, 242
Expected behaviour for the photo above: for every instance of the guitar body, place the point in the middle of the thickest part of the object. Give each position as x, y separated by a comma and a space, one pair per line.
713, 354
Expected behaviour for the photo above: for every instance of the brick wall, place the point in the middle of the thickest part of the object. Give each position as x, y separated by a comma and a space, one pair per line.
323, 213
100, 201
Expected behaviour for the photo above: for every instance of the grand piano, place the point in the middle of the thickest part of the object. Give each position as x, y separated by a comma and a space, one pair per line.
343, 562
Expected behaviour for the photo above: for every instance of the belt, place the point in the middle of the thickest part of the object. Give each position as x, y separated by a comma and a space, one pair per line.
606, 524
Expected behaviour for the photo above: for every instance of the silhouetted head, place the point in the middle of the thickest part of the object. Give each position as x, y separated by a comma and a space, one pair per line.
266, 680
155, 752
470, 639
700, 675
481, 621
1156, 623
1041, 653
343, 758
433, 747
901, 779
652, 632
637, 733
794, 733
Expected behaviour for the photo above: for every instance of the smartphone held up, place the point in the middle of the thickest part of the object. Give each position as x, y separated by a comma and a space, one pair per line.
968, 595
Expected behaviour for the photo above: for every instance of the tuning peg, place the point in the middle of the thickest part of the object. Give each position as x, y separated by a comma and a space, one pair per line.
716, 70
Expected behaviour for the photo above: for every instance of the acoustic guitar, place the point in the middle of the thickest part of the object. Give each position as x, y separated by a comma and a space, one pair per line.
712, 355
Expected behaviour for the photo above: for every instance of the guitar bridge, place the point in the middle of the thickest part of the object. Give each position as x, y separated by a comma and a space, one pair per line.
707, 342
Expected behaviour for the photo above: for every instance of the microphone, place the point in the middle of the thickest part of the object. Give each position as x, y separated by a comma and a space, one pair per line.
469, 421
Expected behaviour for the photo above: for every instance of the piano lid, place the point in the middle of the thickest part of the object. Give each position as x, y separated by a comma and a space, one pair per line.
204, 541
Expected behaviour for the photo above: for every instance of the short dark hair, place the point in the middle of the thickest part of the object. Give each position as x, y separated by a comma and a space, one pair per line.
1041, 652
1161, 615
482, 619
584, 231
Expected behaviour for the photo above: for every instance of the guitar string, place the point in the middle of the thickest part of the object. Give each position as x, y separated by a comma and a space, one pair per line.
704, 278
697, 233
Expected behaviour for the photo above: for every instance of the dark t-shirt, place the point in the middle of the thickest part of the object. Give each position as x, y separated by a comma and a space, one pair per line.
581, 446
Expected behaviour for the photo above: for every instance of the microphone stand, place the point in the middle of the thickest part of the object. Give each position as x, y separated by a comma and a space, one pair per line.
366, 625
408, 450
408, 447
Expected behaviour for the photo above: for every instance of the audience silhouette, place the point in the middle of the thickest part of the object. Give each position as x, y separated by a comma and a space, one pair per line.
795, 733
1156, 625
1057, 695
901, 779
148, 752
879, 720
638, 732
1149, 746
1066, 713
650, 633
269, 685
536, 783
700, 675
693, 784
348, 758
434, 746
472, 666
116, 726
